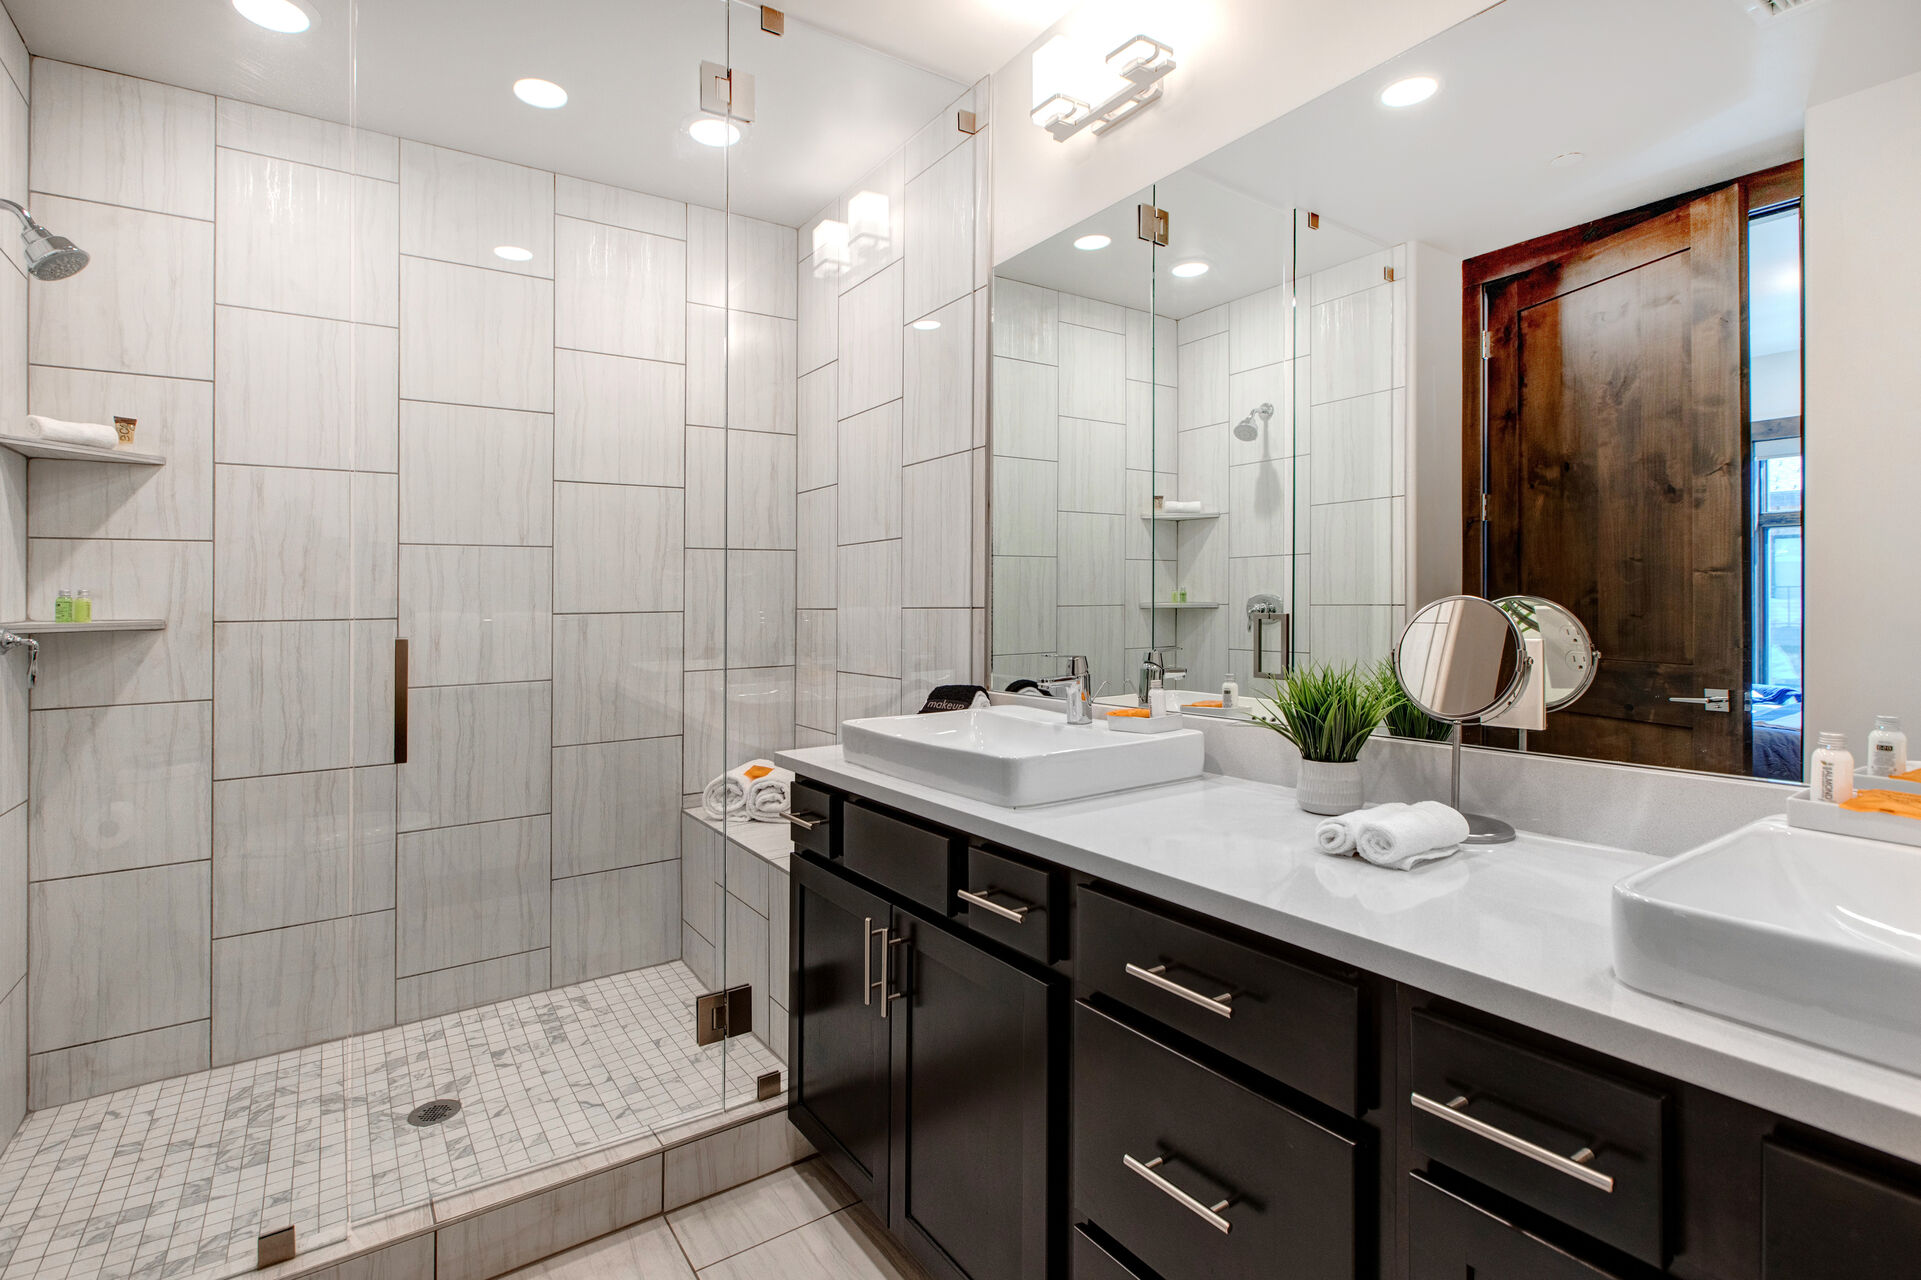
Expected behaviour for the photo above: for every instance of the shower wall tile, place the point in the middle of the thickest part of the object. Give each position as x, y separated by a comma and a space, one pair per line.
706, 366
816, 561
761, 373
286, 988
284, 394
1024, 507
114, 954
1353, 339
617, 548
870, 343
616, 675
14, 1060
940, 232
874, 253
864, 696
1151, 348
616, 420
472, 893
617, 804
937, 533
1203, 372
741, 263
819, 314
1353, 554
1261, 496
619, 292
457, 207
13, 905
1092, 560
1091, 313
374, 508
282, 134
1024, 600
1026, 409
1091, 377
161, 157
869, 608
107, 1066
634, 210
15, 58
759, 600
817, 658
1354, 445
937, 392
1270, 384
144, 304
82, 499
306, 239
142, 797
938, 648
819, 426
428, 995
168, 580
616, 920
1358, 634
476, 615
869, 475
1092, 478
371, 651
477, 753
476, 476
283, 693
706, 487
1026, 322
471, 335
1257, 329
375, 799
758, 704
282, 544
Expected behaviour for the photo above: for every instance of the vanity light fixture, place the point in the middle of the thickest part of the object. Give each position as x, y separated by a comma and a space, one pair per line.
1073, 91
832, 253
1090, 243
867, 221
275, 15
712, 131
513, 253
1408, 92
1189, 269
544, 94
927, 325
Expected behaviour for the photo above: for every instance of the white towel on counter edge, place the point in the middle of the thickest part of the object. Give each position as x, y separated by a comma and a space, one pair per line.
728, 793
1335, 836
1403, 836
770, 797
87, 433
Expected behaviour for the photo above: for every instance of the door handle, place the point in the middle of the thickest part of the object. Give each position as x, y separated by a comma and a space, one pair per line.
1156, 977
886, 984
1208, 1213
867, 983
1574, 1166
1716, 700
400, 701
979, 898
805, 821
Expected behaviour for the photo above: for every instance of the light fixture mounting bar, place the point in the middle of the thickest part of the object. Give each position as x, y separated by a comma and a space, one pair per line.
1142, 62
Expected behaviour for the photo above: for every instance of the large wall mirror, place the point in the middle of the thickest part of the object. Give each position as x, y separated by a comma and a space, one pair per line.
1517, 313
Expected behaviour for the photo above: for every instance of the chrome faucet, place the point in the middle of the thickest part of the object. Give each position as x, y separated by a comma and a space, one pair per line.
1074, 687
1154, 674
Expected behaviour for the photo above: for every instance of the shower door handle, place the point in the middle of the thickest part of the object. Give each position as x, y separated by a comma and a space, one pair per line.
400, 701
1264, 611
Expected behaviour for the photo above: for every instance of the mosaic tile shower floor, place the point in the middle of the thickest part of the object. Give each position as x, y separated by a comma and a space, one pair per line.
178, 1178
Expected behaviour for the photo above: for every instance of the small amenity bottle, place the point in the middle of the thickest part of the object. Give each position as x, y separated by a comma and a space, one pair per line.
82, 606
63, 606
1833, 770
1230, 692
1887, 748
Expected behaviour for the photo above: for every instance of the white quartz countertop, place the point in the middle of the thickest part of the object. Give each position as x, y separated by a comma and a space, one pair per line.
1519, 930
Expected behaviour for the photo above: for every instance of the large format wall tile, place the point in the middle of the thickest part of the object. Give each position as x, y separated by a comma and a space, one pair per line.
472, 893
283, 697
870, 343
937, 648
168, 580
870, 596
285, 393
115, 788
1353, 560
1353, 454
291, 987
617, 549
476, 615
817, 662
143, 305
759, 597
460, 207
1026, 409
869, 475
1026, 321
1353, 344
616, 420
120, 140
1025, 503
618, 292
615, 921
283, 850
634, 210
819, 316
940, 232
306, 239
282, 543
760, 491
82, 499
1093, 457
476, 753
815, 564
760, 373
265, 131
937, 401
13, 903
428, 995
1092, 382
475, 476
470, 335
1092, 564
118, 953
758, 706
819, 423
107, 1066
616, 804
937, 533
1204, 382
616, 676
706, 366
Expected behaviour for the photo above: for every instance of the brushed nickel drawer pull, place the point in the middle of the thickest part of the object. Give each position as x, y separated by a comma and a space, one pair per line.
887, 993
805, 821
1210, 1214
1154, 978
867, 983
979, 898
1575, 1166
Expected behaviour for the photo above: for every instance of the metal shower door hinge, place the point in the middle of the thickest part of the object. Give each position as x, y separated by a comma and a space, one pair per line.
773, 21
720, 1014
1153, 225
767, 1086
726, 93
967, 122
275, 1248
1487, 344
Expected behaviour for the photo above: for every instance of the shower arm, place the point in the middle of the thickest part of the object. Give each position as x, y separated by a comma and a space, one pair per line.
19, 211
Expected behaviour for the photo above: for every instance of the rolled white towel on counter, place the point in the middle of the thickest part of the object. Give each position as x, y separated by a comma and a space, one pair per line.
770, 797
87, 433
1402, 836
728, 793
1335, 836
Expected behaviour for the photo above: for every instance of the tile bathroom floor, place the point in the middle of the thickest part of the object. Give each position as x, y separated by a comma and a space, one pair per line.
178, 1178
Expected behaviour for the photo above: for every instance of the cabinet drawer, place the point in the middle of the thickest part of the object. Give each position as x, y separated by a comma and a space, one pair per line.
1822, 1220
1583, 1147
914, 862
1013, 902
812, 821
1092, 1260
1198, 1177
1448, 1238
1299, 1025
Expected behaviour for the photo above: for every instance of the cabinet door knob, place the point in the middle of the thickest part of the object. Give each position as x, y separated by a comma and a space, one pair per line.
979, 898
1156, 977
1574, 1166
1210, 1214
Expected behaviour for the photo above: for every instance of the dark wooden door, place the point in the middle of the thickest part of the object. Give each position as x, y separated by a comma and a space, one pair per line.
1615, 453
975, 1114
840, 1087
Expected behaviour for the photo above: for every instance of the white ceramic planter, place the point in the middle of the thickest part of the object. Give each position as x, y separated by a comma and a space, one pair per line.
1329, 788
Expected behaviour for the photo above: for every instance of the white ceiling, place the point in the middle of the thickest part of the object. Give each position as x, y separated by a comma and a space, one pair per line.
441, 71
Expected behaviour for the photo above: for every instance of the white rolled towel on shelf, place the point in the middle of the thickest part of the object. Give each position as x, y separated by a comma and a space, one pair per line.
1402, 836
88, 433
728, 793
1335, 836
1169, 504
770, 797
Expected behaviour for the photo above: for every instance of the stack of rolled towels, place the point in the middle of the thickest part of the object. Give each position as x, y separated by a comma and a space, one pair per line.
1397, 836
87, 433
759, 790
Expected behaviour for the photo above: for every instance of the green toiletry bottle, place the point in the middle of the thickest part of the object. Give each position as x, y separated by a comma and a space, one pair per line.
63, 606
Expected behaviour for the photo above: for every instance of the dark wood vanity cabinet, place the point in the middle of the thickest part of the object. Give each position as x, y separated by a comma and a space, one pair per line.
1029, 1074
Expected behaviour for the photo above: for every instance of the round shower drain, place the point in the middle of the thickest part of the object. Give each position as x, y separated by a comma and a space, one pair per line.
438, 1111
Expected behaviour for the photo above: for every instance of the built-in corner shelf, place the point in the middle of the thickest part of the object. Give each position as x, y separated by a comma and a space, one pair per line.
36, 447
1184, 604
1175, 517
40, 627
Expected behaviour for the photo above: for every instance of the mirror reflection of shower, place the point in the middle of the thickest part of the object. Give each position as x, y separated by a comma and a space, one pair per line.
1246, 428
49, 257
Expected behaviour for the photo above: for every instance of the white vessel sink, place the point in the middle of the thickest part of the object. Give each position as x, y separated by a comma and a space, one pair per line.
1016, 756
1813, 935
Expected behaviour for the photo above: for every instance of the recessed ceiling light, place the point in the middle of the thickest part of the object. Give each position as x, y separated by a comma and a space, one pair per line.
1093, 242
929, 323
712, 131
1188, 270
513, 253
275, 15
540, 93
1405, 93
1565, 159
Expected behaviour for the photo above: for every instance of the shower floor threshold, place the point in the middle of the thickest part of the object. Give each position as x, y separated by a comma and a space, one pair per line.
177, 1179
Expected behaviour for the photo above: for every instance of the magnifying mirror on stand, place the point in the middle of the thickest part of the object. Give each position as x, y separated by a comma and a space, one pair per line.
1464, 660
1569, 659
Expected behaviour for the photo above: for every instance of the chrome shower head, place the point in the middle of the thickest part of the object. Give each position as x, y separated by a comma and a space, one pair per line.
1246, 429
49, 257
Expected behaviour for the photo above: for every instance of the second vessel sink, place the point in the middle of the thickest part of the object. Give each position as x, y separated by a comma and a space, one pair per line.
1814, 935
1016, 756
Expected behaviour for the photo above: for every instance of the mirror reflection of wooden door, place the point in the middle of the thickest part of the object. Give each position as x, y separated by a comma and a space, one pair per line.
1614, 465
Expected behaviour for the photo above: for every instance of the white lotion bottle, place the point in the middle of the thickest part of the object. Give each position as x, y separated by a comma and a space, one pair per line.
1833, 770
1887, 748
1230, 693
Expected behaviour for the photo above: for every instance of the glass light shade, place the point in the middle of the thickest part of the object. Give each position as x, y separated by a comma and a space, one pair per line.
867, 217
831, 253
